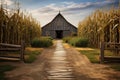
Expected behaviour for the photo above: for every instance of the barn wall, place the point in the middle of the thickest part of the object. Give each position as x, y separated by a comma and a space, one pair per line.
58, 23
52, 33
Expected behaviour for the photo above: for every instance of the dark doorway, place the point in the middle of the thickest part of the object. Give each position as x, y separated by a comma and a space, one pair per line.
59, 34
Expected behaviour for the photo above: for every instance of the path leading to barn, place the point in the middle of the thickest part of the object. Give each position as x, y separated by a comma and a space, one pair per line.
61, 62
60, 68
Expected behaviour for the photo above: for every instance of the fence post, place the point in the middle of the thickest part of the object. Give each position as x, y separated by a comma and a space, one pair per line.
102, 47
22, 50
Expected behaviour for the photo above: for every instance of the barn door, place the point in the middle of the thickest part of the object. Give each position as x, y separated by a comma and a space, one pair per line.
59, 34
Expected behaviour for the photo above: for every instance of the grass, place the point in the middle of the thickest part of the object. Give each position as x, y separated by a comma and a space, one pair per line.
93, 56
76, 41
42, 42
3, 69
115, 67
31, 54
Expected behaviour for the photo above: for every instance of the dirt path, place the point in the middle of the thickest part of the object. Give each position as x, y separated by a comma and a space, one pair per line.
60, 68
50, 65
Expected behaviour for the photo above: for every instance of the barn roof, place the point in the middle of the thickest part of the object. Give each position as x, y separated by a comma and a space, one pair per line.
59, 19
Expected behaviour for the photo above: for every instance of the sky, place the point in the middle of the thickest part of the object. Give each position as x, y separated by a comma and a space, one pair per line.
73, 10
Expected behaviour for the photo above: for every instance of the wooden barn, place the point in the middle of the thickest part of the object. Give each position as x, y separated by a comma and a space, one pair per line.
58, 28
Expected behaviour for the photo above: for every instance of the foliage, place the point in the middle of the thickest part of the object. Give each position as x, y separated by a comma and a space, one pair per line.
73, 41
82, 42
115, 66
101, 26
66, 39
32, 55
92, 55
48, 37
76, 41
3, 69
15, 26
42, 42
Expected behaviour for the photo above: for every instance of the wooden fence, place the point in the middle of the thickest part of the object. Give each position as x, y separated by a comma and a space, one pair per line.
12, 48
113, 47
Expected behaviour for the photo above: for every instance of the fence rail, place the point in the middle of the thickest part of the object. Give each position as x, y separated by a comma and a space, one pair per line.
4, 47
115, 47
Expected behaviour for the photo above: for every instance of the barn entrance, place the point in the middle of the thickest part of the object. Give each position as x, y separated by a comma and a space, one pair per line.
59, 34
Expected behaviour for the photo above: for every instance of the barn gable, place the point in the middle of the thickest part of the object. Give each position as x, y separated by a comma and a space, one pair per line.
59, 27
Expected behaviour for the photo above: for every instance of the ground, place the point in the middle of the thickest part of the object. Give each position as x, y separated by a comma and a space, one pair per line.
82, 68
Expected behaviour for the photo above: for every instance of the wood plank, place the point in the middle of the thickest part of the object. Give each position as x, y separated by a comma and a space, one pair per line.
112, 43
102, 47
112, 49
112, 58
9, 49
10, 45
7, 58
22, 50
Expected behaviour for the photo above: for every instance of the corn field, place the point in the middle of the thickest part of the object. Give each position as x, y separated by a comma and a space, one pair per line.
16, 26
101, 26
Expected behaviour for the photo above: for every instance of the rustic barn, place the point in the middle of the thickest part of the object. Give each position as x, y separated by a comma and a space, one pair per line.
59, 27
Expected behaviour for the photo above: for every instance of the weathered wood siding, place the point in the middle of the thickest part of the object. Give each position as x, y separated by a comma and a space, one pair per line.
58, 23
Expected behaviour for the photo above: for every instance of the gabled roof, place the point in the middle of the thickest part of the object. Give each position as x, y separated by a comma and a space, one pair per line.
59, 19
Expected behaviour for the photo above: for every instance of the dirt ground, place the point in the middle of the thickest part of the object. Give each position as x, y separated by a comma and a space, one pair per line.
82, 68
85, 70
